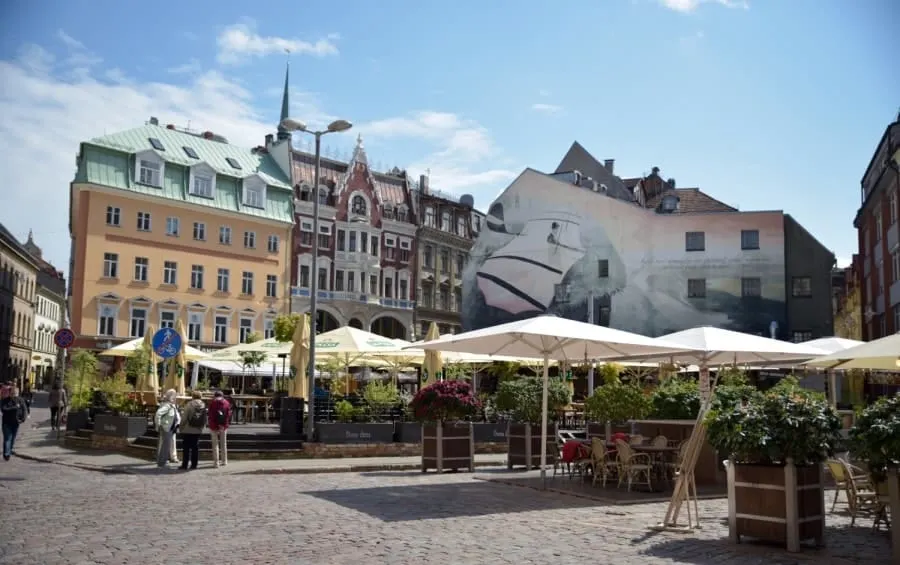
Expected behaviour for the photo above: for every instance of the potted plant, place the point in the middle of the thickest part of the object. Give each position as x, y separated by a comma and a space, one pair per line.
120, 420
447, 441
522, 400
614, 403
79, 382
775, 443
360, 424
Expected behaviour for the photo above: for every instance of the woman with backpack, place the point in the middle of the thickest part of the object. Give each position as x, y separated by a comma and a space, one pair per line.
191, 428
166, 420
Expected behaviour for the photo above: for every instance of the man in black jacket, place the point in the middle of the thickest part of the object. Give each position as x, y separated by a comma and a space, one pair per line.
14, 412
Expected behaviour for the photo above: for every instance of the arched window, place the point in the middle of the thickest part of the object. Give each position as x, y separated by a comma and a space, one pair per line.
358, 205
323, 196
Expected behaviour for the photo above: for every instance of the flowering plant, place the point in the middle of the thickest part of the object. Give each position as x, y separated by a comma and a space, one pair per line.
444, 401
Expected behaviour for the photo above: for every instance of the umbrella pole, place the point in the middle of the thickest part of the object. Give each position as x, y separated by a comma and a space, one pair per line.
544, 396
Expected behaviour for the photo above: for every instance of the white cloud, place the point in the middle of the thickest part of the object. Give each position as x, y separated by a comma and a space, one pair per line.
686, 6
546, 108
239, 42
69, 41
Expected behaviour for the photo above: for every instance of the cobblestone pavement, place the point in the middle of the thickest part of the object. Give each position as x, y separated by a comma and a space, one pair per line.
53, 514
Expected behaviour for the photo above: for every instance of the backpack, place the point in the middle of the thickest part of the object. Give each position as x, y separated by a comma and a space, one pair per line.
221, 415
198, 418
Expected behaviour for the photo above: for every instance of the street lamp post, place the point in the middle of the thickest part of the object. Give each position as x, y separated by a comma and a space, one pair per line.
334, 127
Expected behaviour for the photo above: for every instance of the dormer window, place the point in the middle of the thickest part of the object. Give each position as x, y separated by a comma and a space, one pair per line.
203, 181
305, 193
670, 203
401, 213
150, 170
323, 196
387, 212
358, 205
254, 193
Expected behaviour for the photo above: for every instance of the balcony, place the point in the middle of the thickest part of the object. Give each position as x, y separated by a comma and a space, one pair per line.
327, 296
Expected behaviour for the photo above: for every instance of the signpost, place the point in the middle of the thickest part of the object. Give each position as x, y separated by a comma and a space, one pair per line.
166, 343
64, 338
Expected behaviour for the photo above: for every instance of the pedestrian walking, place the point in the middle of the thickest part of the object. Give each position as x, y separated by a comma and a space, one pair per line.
166, 420
14, 413
58, 402
192, 426
219, 417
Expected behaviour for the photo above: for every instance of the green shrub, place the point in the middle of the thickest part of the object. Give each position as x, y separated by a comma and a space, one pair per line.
380, 397
522, 398
676, 399
616, 402
344, 411
875, 437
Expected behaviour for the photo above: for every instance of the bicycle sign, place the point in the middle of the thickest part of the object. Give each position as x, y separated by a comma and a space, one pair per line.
166, 343
64, 338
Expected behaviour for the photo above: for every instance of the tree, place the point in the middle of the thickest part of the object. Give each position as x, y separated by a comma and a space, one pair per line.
80, 378
848, 318
138, 364
253, 359
285, 325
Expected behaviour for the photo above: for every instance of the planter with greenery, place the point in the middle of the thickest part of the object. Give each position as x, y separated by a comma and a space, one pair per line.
521, 399
448, 441
615, 403
775, 442
123, 417
362, 424
80, 379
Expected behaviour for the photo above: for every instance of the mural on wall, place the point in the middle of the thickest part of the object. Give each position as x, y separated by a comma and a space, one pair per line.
551, 247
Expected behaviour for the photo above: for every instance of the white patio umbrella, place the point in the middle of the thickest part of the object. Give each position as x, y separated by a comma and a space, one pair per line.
551, 338
880, 354
128, 348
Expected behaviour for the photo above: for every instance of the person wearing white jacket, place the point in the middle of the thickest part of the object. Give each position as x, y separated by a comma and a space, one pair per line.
166, 420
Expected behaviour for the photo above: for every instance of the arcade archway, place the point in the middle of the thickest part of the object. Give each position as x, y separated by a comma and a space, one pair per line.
325, 322
355, 323
389, 327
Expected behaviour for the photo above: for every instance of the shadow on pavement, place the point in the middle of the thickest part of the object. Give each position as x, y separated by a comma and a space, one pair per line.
437, 501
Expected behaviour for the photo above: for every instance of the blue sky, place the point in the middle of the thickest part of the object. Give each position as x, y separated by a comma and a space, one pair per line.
763, 104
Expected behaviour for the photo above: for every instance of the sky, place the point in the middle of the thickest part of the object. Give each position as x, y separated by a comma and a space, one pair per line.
764, 104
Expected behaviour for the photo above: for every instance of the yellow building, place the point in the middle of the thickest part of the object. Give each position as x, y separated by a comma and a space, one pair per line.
168, 225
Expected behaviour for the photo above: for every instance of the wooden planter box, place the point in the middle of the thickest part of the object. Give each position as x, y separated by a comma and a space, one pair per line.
351, 432
489, 432
774, 503
523, 444
408, 432
448, 445
120, 426
893, 489
77, 420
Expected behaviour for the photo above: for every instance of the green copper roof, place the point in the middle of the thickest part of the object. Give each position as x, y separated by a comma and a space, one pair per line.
110, 161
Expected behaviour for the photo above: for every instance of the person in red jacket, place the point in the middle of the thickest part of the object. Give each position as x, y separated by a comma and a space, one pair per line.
219, 417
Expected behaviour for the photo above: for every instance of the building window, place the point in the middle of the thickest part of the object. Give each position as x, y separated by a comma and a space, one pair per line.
322, 283
113, 216
445, 261
197, 277
199, 231
445, 221
254, 196
269, 328
338, 280
247, 283
460, 264
107, 320
362, 283
138, 322
271, 286
170, 272
801, 336
388, 287
195, 326
172, 225
351, 281
324, 236
273, 244
561, 293
751, 287
150, 173
225, 235
352, 247
341, 240
892, 202
358, 205
111, 265
143, 221
364, 242
246, 329
404, 289
603, 268
403, 255
457, 299
323, 197
140, 269
222, 280
878, 223
696, 288
461, 226
250, 239
221, 329
749, 239
374, 245
444, 297
202, 185
428, 258
429, 217
167, 319
801, 287
895, 267
304, 276
695, 241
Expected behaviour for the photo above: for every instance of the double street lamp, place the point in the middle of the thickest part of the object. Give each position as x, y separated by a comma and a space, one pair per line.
334, 127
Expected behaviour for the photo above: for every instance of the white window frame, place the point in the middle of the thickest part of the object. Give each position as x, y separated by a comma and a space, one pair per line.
197, 274
273, 244
173, 226
170, 272
245, 331
390, 241
113, 317
110, 265
144, 222
429, 220
268, 327
227, 317
250, 240
145, 308
195, 319
199, 231
225, 235
141, 269
247, 283
271, 286
405, 244
223, 275
113, 216
155, 167
254, 186
163, 322
204, 176
306, 225
324, 229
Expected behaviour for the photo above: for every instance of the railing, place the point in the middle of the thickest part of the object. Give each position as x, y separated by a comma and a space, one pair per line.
362, 298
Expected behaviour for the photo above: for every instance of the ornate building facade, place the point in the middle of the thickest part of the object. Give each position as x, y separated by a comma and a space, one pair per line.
18, 289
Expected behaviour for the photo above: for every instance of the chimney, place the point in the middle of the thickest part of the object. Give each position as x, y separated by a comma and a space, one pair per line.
207, 135
154, 121
423, 184
170, 126
671, 183
609, 164
655, 170
270, 139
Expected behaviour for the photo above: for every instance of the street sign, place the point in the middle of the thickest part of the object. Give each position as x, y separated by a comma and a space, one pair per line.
64, 338
166, 343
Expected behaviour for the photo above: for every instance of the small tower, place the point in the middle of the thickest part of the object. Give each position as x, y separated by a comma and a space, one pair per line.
285, 106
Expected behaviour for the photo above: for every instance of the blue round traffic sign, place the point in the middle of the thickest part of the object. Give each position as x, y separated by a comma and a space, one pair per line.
64, 338
166, 343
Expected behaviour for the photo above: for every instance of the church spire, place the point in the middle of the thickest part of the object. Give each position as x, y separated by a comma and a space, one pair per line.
359, 152
285, 105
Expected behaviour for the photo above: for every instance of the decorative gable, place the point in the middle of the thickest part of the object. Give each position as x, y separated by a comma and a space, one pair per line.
253, 192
